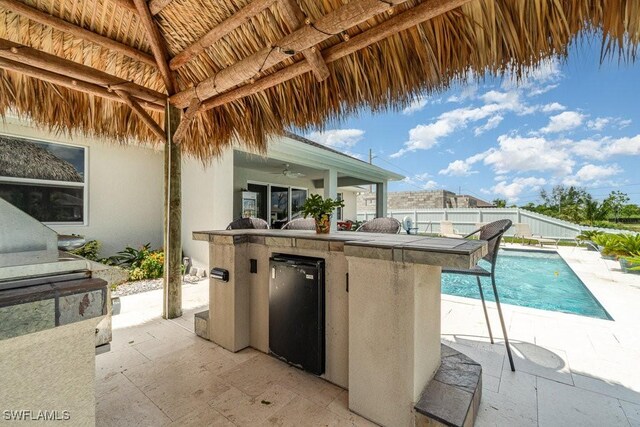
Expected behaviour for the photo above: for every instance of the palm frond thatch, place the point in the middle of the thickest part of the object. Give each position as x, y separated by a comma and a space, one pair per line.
483, 37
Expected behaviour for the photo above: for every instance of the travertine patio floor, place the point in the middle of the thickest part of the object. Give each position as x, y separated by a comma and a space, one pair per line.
571, 370
160, 373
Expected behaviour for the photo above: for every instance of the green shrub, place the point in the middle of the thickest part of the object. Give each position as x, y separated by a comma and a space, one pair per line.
588, 235
151, 267
130, 257
89, 250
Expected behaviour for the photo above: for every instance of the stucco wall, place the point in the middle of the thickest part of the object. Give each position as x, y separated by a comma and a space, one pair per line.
207, 202
125, 190
350, 205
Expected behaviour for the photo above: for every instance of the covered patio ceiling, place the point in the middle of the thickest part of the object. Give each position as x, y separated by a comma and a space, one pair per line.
312, 161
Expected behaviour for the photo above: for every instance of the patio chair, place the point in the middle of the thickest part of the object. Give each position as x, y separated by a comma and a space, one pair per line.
381, 225
300, 224
492, 233
524, 231
248, 223
447, 230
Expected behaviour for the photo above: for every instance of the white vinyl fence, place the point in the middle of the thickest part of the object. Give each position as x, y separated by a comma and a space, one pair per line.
466, 220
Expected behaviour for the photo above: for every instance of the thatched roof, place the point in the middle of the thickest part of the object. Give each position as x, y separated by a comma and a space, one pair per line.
20, 158
250, 83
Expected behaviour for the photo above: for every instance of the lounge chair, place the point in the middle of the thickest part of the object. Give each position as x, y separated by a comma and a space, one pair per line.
523, 231
300, 224
248, 223
447, 230
381, 225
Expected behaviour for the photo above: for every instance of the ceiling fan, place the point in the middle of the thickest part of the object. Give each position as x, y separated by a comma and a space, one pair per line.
289, 173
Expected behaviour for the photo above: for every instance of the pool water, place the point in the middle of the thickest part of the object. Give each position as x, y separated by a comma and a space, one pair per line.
530, 279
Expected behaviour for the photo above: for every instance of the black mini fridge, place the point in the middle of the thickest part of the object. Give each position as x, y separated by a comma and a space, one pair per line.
296, 311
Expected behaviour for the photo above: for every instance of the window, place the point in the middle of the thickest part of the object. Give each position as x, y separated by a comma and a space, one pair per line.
44, 179
339, 210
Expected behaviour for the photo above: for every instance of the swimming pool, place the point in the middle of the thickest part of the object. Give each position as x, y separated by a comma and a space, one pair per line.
531, 279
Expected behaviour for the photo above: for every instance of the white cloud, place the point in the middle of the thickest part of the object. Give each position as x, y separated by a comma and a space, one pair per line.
457, 168
425, 136
594, 172
469, 92
554, 106
511, 191
564, 121
338, 138
422, 181
462, 167
535, 91
522, 154
604, 148
416, 105
598, 123
492, 123
626, 146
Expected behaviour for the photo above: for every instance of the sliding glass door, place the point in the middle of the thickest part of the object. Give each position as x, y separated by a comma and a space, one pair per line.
278, 204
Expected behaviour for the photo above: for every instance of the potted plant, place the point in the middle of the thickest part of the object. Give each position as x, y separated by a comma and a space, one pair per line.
609, 245
628, 246
631, 264
321, 210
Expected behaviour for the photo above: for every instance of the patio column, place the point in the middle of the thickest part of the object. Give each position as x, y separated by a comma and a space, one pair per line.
331, 190
172, 284
381, 199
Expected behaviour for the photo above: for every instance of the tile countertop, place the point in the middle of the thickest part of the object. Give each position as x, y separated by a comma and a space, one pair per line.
445, 252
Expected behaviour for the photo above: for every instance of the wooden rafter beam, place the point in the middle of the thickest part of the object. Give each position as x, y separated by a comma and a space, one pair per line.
333, 23
36, 58
144, 116
158, 46
74, 30
68, 82
401, 22
156, 6
219, 31
296, 16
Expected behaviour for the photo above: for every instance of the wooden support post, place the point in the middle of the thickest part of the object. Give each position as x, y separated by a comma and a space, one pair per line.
172, 285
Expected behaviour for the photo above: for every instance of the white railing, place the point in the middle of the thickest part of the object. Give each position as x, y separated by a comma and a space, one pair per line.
466, 220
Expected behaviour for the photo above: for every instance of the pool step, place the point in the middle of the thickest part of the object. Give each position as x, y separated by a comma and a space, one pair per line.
453, 396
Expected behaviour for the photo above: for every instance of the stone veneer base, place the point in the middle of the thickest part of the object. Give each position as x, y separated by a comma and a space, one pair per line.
453, 396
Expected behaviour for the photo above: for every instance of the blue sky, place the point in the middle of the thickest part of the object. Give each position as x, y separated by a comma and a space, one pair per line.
574, 122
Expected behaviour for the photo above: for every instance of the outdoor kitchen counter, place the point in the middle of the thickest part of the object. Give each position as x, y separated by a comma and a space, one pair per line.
382, 306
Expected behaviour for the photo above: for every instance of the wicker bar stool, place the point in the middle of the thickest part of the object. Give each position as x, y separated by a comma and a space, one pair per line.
300, 224
247, 224
381, 225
